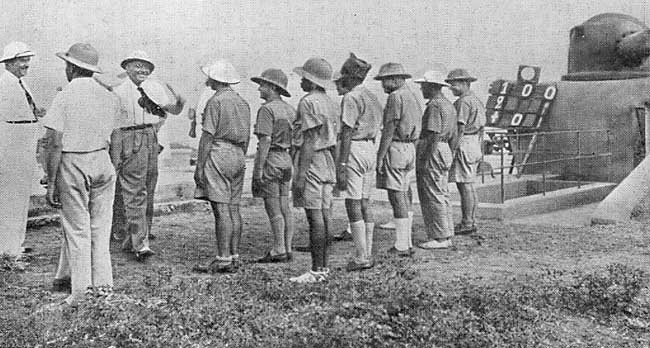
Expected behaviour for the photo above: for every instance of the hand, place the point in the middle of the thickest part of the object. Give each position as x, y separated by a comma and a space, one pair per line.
191, 114
199, 177
39, 112
341, 177
380, 165
256, 185
52, 196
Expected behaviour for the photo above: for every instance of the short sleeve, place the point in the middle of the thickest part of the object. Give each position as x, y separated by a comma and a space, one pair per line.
309, 119
463, 109
264, 123
350, 111
392, 112
433, 118
211, 116
55, 117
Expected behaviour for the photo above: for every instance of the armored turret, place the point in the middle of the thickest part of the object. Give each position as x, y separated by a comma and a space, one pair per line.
609, 46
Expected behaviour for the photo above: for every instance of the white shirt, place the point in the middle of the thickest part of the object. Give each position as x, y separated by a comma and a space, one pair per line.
13, 102
84, 112
132, 113
206, 94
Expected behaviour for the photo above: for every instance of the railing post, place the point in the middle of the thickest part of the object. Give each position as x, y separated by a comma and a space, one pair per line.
544, 165
503, 192
579, 164
609, 156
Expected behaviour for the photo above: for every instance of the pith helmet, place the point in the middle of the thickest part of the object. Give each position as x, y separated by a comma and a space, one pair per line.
137, 55
433, 76
318, 71
355, 67
82, 55
221, 70
275, 77
15, 49
460, 75
391, 69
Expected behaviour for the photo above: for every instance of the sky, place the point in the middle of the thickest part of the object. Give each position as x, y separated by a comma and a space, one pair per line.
490, 39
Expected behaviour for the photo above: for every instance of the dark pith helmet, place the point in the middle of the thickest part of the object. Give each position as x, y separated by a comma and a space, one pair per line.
275, 77
460, 75
390, 70
354, 67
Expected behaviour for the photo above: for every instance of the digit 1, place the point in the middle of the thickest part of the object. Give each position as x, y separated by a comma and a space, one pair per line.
499, 104
539, 121
516, 119
545, 108
549, 93
527, 90
504, 88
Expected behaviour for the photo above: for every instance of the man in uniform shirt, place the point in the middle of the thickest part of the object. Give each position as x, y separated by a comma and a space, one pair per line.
220, 166
360, 120
273, 166
134, 151
81, 177
396, 154
315, 173
18, 128
433, 160
471, 119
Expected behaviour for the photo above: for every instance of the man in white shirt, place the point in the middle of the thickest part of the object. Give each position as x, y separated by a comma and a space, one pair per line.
134, 151
18, 135
81, 177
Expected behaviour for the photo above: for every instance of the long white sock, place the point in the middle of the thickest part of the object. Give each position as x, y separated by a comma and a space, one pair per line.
358, 229
410, 229
277, 228
370, 229
401, 234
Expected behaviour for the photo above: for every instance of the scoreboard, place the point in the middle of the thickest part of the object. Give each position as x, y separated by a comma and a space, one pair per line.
521, 104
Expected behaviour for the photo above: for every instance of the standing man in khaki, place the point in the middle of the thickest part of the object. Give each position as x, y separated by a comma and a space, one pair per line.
18, 128
315, 173
81, 177
134, 151
360, 120
221, 163
396, 154
433, 160
273, 166
471, 119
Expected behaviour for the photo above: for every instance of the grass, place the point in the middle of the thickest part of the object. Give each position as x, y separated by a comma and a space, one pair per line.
482, 293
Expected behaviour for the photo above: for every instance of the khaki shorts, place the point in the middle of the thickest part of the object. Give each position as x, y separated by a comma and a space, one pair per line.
319, 182
360, 170
224, 174
468, 154
276, 175
398, 167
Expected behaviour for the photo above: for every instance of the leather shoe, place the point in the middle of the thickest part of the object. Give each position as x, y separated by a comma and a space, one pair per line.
216, 266
143, 254
268, 258
353, 265
400, 253
303, 248
464, 229
343, 237
62, 285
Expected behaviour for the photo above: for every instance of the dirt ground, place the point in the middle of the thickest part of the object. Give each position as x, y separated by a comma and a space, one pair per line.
499, 253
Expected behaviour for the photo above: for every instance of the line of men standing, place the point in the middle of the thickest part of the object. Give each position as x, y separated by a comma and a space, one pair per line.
331, 150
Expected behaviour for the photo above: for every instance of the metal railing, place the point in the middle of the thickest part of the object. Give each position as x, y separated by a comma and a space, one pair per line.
574, 152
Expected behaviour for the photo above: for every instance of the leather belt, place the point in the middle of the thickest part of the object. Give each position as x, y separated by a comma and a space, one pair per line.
136, 127
405, 140
471, 133
279, 149
366, 139
22, 121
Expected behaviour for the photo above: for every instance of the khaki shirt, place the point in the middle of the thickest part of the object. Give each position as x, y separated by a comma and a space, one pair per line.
227, 117
361, 111
403, 107
84, 112
316, 109
275, 119
440, 117
471, 112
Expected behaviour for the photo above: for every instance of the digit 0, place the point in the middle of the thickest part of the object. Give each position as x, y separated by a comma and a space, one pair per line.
499, 104
549, 93
527, 90
504, 88
516, 119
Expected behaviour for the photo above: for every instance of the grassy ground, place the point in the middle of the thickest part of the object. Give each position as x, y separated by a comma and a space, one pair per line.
507, 286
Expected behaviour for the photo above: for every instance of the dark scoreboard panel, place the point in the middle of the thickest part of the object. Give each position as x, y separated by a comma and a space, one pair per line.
524, 103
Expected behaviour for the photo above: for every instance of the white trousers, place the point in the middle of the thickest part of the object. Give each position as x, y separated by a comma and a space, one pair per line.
17, 165
86, 183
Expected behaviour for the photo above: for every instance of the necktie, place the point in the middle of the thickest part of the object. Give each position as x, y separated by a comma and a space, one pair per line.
30, 100
149, 105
